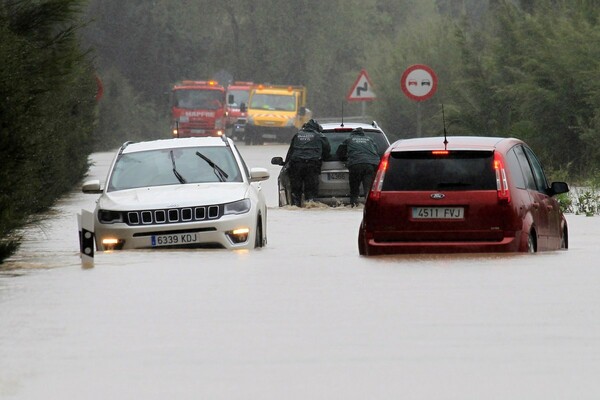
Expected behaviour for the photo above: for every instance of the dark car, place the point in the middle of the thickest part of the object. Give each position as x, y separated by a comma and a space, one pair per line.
477, 194
334, 186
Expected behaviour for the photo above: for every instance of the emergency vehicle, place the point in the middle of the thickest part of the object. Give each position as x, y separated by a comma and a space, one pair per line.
198, 108
238, 93
275, 113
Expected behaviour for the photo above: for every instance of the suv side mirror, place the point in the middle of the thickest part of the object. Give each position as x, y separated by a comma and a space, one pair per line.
230, 99
558, 188
277, 161
302, 111
243, 107
258, 174
92, 187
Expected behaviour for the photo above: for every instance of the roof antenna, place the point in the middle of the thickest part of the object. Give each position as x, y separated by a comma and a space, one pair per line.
445, 133
342, 115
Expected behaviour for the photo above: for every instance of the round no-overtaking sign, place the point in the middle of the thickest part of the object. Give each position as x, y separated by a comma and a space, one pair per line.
418, 82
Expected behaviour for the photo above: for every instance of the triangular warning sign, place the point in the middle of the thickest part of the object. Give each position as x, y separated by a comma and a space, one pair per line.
362, 90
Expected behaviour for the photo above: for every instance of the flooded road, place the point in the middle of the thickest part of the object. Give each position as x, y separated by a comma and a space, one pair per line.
303, 318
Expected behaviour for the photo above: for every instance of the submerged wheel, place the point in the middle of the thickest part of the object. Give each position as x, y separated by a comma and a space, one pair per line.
564, 240
531, 243
259, 240
362, 248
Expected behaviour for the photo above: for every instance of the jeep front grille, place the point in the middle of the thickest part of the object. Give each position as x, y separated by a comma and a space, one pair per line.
173, 215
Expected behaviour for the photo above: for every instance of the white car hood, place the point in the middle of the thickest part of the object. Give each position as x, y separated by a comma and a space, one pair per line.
173, 196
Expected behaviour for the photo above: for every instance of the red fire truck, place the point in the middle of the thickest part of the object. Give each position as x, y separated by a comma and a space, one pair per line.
198, 108
237, 94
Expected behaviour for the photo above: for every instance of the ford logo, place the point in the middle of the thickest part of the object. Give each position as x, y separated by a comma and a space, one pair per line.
438, 196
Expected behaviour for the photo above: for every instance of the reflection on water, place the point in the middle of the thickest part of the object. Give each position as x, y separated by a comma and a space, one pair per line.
304, 317
458, 258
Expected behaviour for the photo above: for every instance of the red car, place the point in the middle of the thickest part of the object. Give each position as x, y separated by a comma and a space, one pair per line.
471, 194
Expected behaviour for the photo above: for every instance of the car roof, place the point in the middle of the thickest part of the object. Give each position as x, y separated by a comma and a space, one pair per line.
330, 126
132, 147
454, 143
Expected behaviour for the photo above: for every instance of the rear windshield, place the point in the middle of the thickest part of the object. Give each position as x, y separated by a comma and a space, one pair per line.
337, 137
423, 170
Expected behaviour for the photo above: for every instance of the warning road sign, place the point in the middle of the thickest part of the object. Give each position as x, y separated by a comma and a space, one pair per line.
362, 90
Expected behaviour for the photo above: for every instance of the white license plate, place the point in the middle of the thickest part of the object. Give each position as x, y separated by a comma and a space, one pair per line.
438, 212
198, 131
337, 176
175, 239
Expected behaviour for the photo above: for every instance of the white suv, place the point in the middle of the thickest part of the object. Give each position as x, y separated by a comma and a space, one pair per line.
189, 192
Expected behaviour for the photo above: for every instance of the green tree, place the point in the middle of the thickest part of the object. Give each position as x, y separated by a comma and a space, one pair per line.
47, 104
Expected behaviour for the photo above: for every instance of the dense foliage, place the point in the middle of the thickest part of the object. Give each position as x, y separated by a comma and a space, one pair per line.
47, 110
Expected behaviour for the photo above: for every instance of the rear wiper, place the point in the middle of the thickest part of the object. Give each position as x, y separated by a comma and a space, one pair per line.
222, 175
180, 178
452, 184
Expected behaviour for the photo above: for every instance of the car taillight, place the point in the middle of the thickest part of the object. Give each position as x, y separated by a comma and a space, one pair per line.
501, 180
375, 192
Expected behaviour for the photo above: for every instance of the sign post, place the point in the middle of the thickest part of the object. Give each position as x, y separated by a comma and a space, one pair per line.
419, 83
362, 90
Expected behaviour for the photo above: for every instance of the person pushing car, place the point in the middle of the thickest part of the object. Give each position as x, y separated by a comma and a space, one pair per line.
304, 158
360, 152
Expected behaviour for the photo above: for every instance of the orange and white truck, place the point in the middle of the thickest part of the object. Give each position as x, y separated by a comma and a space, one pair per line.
275, 113
198, 108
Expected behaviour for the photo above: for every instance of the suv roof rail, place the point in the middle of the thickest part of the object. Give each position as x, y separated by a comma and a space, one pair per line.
224, 139
124, 145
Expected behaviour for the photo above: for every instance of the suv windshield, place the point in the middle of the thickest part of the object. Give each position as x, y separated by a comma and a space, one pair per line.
423, 170
157, 167
336, 137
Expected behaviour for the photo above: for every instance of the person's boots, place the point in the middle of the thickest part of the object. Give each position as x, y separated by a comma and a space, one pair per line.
296, 201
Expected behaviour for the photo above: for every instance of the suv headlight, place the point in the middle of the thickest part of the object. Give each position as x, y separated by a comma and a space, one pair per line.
237, 207
110, 217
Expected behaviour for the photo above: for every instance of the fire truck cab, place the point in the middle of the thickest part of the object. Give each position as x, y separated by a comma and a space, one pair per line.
198, 108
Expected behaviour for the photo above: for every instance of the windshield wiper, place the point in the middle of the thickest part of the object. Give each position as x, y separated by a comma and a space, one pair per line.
180, 178
222, 175
453, 184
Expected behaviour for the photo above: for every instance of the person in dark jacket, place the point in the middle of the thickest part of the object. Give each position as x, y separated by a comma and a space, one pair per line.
360, 152
304, 158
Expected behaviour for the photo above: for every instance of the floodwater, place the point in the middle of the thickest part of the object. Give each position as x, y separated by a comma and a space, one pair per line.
304, 318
